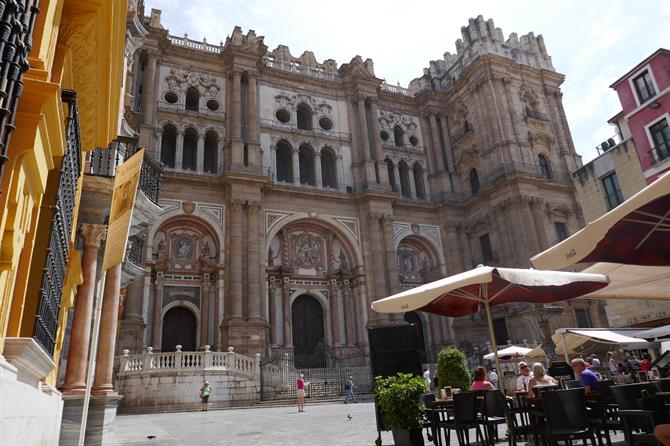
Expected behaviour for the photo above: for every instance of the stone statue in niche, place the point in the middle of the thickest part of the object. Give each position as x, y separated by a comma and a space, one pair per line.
205, 250
406, 263
343, 261
271, 259
184, 249
307, 251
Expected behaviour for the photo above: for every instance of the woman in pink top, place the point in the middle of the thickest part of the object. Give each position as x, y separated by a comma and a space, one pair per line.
300, 384
480, 382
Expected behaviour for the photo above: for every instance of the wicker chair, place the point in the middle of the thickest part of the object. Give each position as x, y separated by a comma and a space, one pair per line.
638, 422
567, 420
464, 419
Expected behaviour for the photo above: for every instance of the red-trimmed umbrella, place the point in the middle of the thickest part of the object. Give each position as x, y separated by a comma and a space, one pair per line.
483, 287
637, 232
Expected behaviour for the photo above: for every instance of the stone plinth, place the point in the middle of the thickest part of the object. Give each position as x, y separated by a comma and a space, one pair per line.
100, 422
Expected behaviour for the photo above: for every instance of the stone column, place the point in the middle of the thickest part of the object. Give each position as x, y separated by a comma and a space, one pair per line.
273, 161
286, 307
204, 312
148, 91
236, 106
340, 174
253, 261
433, 167
448, 150
272, 287
156, 317
104, 363
540, 221
391, 258
376, 253
412, 184
376, 138
317, 170
253, 129
200, 154
218, 300
437, 146
296, 166
396, 176
179, 155
347, 300
77, 358
363, 125
235, 288
334, 311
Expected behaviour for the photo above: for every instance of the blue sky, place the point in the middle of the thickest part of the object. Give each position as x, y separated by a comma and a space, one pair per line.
591, 42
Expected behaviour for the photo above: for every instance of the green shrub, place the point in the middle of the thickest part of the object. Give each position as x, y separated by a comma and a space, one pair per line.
452, 369
399, 398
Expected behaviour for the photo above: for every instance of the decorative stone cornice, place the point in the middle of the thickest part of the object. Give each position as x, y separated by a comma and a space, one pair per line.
93, 234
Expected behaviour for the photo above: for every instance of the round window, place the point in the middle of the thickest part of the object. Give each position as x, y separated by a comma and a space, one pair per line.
384, 135
212, 105
171, 97
283, 115
413, 141
326, 123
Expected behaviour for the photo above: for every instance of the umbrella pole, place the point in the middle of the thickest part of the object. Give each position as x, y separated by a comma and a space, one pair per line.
484, 295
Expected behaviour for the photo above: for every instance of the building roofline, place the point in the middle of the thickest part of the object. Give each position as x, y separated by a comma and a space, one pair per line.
636, 67
613, 119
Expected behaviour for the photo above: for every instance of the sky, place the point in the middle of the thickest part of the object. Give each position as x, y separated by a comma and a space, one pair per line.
591, 42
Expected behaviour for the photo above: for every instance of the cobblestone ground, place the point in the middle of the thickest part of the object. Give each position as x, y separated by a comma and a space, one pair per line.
320, 425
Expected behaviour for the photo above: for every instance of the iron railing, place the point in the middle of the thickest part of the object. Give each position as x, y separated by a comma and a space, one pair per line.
17, 21
135, 247
104, 161
46, 319
659, 153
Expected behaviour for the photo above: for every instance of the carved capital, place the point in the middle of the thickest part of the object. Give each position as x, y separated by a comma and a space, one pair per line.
255, 207
376, 216
93, 234
236, 205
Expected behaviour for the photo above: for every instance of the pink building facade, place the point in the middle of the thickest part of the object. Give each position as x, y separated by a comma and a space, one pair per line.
644, 93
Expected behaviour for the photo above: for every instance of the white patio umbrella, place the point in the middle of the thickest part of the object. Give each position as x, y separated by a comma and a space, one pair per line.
511, 352
483, 287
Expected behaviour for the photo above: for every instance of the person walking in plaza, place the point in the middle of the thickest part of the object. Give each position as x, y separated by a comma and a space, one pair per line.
300, 385
205, 390
612, 364
349, 387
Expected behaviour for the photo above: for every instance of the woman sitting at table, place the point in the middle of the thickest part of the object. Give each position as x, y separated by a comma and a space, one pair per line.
480, 382
540, 378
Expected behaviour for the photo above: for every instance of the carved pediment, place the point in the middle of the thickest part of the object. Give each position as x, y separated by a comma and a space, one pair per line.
180, 80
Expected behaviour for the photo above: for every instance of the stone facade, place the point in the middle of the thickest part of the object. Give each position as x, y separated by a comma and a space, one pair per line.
297, 192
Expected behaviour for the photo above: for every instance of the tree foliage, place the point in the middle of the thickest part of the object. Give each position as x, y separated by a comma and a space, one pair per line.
452, 369
399, 399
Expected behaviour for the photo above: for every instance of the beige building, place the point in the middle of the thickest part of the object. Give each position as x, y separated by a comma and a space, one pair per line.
608, 180
296, 192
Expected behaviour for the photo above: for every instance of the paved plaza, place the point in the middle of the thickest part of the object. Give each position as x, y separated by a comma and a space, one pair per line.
321, 425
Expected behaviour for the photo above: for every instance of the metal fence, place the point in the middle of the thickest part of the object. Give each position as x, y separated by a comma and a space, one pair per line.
325, 373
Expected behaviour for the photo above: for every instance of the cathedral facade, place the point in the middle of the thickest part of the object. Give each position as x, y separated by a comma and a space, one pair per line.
297, 192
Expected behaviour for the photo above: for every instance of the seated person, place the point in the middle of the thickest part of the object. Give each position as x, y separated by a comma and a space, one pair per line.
586, 376
540, 378
480, 382
524, 376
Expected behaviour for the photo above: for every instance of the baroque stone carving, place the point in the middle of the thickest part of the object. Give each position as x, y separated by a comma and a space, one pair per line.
180, 80
389, 119
291, 100
307, 251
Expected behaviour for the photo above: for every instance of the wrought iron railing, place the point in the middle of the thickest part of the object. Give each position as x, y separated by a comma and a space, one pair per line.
104, 161
17, 21
46, 319
532, 114
135, 253
659, 153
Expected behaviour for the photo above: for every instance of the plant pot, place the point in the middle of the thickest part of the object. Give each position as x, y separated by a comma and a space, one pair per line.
404, 437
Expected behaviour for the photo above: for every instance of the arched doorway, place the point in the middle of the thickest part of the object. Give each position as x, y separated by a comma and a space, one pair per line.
309, 343
179, 328
415, 321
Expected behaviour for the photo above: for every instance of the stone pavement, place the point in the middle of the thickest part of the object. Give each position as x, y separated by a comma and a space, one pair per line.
320, 425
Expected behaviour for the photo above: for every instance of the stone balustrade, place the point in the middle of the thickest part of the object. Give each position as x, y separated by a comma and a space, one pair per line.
180, 361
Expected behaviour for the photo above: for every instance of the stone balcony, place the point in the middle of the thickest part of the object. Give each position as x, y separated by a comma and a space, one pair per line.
156, 382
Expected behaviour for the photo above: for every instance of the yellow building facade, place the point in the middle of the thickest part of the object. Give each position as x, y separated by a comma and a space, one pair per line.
69, 105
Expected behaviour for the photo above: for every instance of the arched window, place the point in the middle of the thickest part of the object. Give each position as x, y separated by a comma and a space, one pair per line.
328, 168
390, 168
188, 158
418, 182
398, 136
192, 99
474, 182
405, 188
306, 162
210, 157
284, 162
545, 170
168, 145
304, 117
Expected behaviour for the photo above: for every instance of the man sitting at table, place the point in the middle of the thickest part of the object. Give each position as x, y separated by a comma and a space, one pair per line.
586, 376
524, 376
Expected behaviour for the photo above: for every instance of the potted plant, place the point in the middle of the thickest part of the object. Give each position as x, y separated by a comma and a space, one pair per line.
452, 369
399, 400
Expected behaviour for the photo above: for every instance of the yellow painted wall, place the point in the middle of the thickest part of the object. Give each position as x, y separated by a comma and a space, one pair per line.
77, 45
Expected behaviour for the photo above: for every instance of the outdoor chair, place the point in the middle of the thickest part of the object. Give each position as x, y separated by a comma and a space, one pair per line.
604, 413
662, 385
538, 390
572, 384
428, 419
520, 423
566, 417
494, 412
639, 422
464, 418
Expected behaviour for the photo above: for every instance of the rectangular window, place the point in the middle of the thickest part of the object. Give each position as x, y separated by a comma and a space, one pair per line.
660, 134
561, 231
644, 87
500, 330
613, 196
487, 252
583, 318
